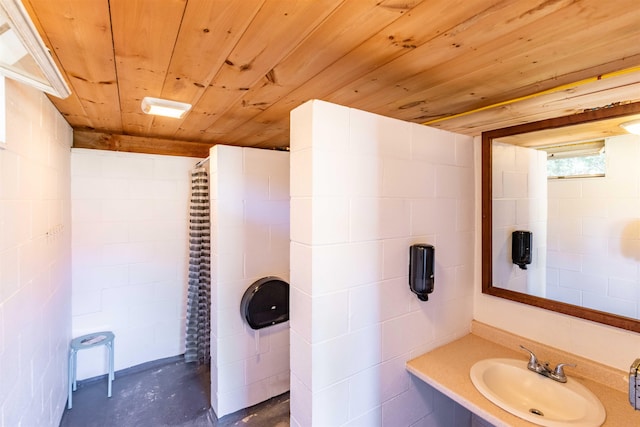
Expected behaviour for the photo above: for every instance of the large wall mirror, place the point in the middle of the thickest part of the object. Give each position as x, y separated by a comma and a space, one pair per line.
561, 215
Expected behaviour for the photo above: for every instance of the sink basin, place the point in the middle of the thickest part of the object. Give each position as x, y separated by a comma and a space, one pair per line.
540, 400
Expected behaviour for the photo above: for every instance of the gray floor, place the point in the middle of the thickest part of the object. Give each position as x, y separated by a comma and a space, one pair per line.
165, 393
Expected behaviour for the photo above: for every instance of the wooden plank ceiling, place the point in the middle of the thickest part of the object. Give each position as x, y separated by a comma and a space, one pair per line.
245, 64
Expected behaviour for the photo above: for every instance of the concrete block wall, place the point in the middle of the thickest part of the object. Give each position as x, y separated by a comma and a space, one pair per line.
35, 259
363, 189
519, 190
130, 254
594, 234
249, 240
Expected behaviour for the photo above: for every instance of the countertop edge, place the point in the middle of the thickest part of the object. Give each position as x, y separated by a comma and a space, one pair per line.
447, 368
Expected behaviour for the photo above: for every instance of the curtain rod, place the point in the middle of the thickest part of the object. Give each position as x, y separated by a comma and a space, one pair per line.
201, 162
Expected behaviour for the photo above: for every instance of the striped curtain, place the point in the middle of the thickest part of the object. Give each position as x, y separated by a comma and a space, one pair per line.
197, 345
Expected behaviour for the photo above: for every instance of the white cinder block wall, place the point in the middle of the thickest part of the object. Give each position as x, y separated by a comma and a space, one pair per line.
250, 240
35, 260
519, 190
130, 254
596, 234
364, 188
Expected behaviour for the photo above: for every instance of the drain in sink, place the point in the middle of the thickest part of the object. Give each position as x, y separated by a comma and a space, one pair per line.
535, 411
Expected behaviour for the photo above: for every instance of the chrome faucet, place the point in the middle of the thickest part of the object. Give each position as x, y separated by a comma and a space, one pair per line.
543, 369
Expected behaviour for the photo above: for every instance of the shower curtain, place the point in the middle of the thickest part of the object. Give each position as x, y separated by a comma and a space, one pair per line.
197, 344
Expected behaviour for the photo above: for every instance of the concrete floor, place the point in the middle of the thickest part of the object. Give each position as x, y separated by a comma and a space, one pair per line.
165, 393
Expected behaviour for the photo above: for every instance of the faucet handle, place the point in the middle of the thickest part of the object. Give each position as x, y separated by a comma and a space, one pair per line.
533, 360
559, 371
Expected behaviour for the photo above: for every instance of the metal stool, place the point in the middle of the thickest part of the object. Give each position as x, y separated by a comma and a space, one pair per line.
87, 341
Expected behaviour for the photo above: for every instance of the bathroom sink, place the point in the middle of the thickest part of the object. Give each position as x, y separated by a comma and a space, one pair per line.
540, 400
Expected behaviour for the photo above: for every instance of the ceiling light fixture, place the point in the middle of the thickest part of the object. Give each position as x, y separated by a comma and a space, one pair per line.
164, 107
632, 127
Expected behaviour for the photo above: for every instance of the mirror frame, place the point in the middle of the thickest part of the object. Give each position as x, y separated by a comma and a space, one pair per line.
608, 112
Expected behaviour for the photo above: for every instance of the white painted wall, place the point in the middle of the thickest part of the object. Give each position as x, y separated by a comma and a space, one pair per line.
35, 260
249, 240
130, 254
594, 234
519, 190
607, 345
364, 188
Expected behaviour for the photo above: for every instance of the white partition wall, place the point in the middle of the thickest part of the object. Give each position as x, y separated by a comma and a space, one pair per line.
363, 189
249, 240
519, 192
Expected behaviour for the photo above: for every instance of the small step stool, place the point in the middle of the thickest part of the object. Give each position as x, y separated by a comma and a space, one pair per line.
105, 338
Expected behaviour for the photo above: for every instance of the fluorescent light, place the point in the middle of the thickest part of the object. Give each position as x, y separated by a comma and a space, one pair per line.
632, 127
164, 107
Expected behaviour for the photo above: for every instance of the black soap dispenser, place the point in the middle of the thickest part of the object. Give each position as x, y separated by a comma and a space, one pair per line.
521, 242
421, 266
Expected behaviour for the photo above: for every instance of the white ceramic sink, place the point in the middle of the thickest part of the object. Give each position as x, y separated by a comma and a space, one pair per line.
528, 395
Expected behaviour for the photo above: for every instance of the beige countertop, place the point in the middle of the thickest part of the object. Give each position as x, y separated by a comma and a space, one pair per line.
447, 370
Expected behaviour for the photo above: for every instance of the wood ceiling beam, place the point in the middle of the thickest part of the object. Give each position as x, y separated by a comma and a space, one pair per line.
139, 144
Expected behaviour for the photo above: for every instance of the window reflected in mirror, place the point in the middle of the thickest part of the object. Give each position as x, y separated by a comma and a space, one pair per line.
580, 159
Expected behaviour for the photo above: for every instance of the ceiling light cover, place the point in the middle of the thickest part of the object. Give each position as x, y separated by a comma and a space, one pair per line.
632, 127
164, 107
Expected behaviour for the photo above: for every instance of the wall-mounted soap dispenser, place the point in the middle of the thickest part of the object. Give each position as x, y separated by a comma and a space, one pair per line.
421, 265
521, 248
